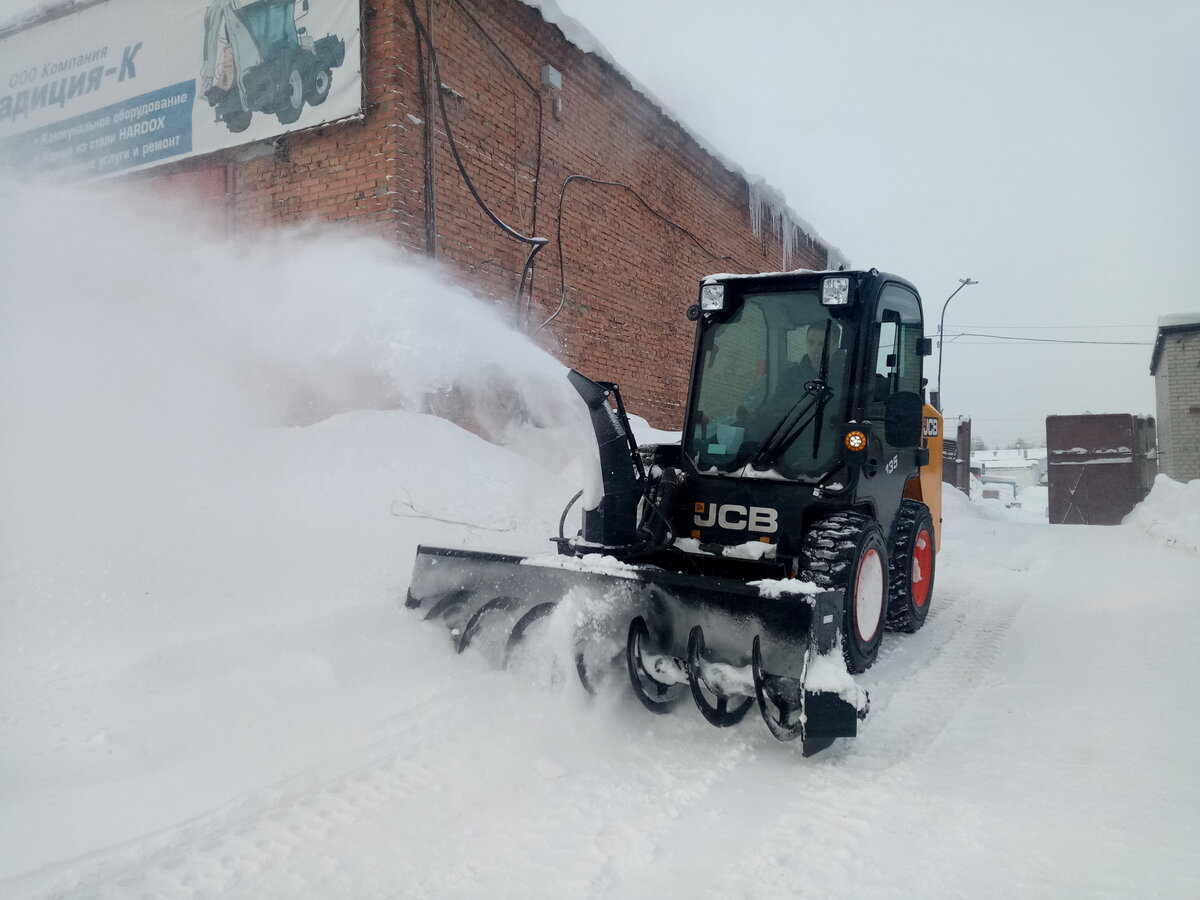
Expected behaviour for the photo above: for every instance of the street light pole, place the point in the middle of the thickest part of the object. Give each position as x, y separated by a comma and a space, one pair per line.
962, 283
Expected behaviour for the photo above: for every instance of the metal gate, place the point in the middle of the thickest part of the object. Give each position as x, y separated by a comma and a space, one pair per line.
1100, 467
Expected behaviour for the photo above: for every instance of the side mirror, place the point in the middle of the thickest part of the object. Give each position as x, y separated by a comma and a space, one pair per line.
902, 419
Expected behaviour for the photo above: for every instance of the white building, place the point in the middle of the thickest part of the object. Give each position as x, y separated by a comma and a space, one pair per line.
1175, 365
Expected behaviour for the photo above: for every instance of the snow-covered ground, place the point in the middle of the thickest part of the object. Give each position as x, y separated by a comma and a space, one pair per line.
216, 465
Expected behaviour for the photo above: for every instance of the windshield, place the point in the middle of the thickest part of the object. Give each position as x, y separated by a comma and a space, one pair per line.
771, 387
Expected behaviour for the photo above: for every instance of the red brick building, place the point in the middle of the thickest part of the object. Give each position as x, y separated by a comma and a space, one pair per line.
631, 251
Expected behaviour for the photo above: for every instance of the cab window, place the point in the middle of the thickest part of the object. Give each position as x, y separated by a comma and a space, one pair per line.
897, 361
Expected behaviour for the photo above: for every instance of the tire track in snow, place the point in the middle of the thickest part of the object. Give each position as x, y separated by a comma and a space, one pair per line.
917, 687
923, 679
216, 852
300, 838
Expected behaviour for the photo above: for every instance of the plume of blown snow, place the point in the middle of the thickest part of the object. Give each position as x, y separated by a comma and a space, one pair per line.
137, 340
121, 311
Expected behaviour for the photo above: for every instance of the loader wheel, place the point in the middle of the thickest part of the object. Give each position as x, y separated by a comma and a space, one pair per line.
846, 552
238, 121
290, 100
912, 568
319, 89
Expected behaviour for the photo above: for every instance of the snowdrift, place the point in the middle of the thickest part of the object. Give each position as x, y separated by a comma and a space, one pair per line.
1171, 513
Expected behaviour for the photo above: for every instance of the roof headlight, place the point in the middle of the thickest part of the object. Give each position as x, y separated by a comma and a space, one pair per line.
712, 297
835, 291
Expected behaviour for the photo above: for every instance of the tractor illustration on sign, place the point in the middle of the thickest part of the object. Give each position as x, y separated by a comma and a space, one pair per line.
256, 59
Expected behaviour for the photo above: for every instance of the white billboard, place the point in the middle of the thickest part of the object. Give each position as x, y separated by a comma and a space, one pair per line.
129, 84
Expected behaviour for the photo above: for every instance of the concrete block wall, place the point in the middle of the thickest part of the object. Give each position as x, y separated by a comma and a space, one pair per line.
631, 253
1177, 385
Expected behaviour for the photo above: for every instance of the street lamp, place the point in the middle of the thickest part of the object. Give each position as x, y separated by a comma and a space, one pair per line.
962, 283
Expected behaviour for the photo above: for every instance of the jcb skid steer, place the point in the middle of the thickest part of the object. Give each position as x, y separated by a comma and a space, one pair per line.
758, 561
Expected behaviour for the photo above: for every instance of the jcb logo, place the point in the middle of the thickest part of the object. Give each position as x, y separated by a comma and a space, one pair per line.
733, 517
931, 426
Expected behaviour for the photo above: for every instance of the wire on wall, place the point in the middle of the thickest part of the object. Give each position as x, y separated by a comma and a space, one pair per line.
537, 97
525, 287
562, 276
535, 243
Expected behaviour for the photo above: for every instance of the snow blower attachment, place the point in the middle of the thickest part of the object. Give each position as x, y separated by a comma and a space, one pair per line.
757, 562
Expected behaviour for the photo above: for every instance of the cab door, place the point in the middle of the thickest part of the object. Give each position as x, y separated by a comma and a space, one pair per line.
897, 369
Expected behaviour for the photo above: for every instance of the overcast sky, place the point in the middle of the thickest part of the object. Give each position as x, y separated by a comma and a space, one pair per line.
1049, 150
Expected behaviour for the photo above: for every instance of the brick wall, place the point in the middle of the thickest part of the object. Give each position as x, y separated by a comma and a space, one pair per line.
629, 273
1177, 384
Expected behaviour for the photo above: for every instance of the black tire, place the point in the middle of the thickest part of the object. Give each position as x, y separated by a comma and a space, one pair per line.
846, 552
239, 121
912, 566
318, 90
290, 100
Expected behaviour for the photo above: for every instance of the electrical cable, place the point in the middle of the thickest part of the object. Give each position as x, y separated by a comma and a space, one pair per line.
535, 243
562, 522
1033, 340
430, 217
1054, 327
537, 96
528, 271
562, 276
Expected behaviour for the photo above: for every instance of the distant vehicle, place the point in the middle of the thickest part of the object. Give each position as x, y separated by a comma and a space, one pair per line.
257, 60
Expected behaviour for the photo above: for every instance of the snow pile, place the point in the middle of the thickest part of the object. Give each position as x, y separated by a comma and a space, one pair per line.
1171, 513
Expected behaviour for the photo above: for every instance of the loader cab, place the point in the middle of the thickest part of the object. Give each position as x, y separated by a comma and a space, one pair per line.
758, 364
812, 378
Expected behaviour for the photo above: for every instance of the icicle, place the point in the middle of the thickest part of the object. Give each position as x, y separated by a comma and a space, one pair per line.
756, 210
769, 208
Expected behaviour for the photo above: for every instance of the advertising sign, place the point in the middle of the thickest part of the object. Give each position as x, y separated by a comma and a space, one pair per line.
129, 84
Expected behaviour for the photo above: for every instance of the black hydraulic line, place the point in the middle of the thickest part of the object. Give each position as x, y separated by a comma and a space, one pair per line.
562, 522
666, 521
562, 275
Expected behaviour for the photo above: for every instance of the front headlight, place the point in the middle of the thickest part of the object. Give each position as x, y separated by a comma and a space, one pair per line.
835, 291
712, 297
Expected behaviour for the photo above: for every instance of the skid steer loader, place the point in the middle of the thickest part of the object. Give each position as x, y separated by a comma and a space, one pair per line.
758, 561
